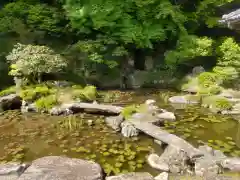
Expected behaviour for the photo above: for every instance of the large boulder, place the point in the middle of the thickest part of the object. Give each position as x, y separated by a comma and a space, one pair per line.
132, 176
10, 102
11, 171
62, 168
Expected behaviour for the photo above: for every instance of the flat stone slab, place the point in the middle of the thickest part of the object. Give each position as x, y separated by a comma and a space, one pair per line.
170, 139
88, 108
62, 168
132, 176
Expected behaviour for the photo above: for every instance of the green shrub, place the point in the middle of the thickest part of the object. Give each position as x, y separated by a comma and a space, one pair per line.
217, 103
32, 93
211, 90
207, 79
10, 90
223, 104
128, 111
88, 93
46, 103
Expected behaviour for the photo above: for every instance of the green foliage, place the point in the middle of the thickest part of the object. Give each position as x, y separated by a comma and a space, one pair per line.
134, 22
228, 64
10, 90
35, 60
88, 93
46, 102
217, 103
191, 83
189, 47
128, 111
211, 90
207, 79
30, 19
36, 92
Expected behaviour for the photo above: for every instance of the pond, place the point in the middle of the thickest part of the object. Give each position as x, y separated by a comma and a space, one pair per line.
25, 137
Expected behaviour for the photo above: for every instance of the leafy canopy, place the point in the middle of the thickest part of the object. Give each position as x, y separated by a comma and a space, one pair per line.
138, 22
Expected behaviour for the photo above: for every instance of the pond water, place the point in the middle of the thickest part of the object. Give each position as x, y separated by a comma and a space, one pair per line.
25, 137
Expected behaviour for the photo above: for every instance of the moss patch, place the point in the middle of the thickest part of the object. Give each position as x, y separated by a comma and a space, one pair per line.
46, 103
10, 90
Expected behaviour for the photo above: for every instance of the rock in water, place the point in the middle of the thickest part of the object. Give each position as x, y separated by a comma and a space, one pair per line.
156, 162
132, 176
62, 168
162, 176
114, 122
167, 116
233, 164
128, 130
11, 171
172, 159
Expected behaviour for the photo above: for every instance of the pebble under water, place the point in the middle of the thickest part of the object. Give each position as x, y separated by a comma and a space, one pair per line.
25, 137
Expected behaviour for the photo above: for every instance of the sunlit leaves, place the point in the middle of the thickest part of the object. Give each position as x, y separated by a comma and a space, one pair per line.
31, 60
139, 22
189, 47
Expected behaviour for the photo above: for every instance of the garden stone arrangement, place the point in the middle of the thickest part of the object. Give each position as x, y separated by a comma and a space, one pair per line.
179, 159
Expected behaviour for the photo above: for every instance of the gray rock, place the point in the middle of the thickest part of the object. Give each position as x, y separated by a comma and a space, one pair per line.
76, 107
211, 154
157, 163
62, 168
56, 111
9, 102
160, 143
172, 159
150, 102
11, 171
156, 132
181, 100
28, 107
162, 176
233, 164
128, 129
132, 176
114, 122
206, 167
197, 70
167, 116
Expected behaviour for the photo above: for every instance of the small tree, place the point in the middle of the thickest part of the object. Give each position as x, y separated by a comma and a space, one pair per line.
34, 60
